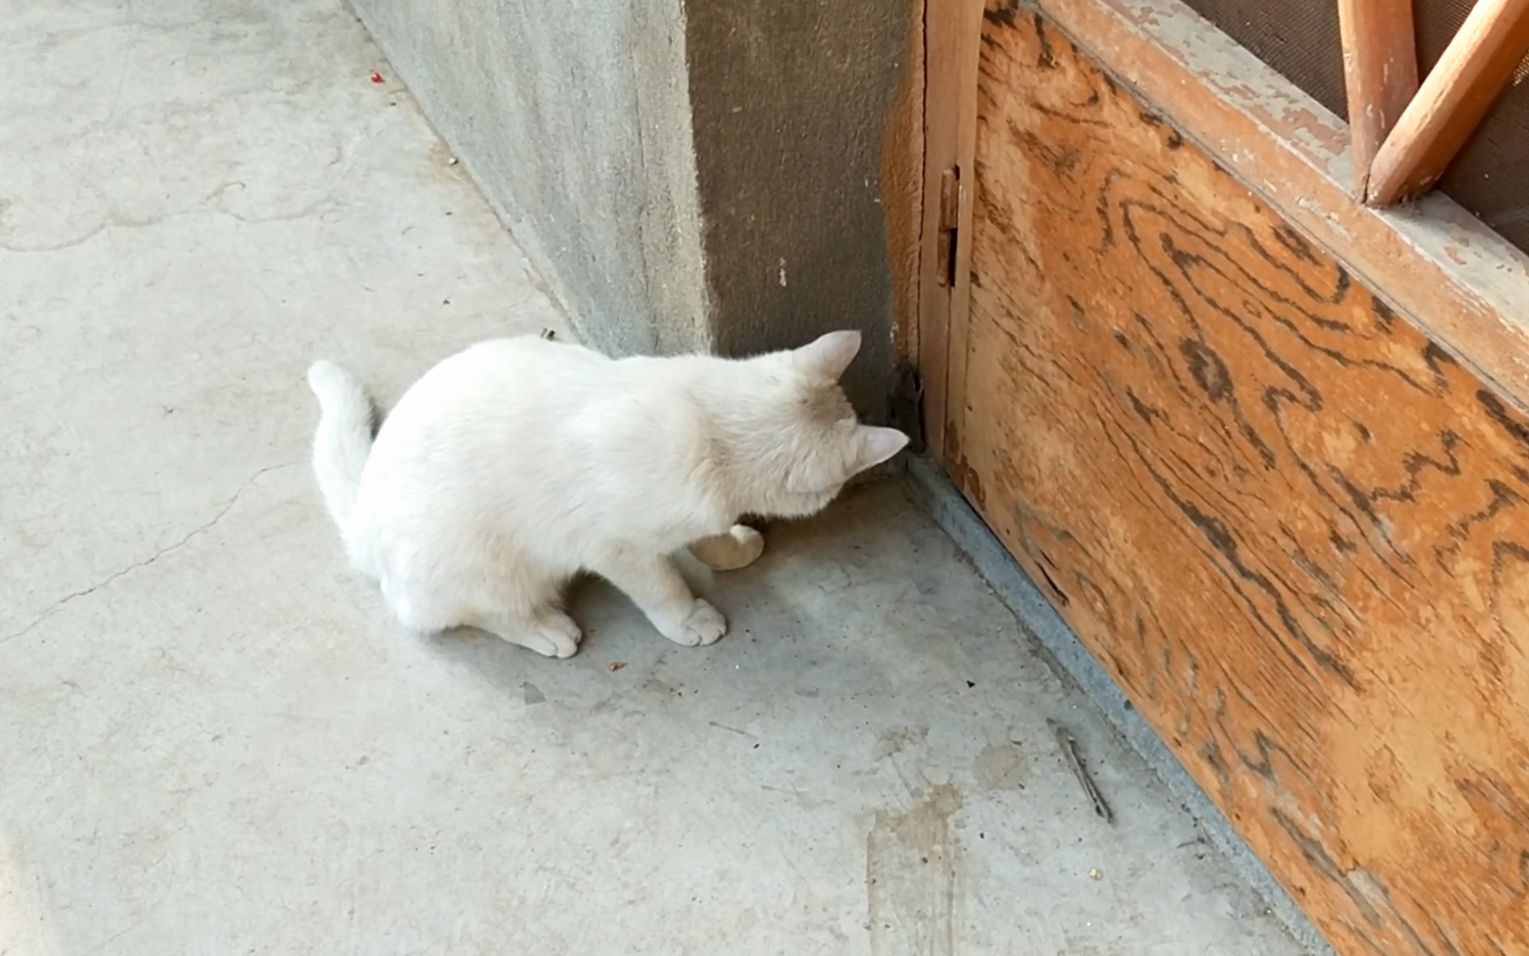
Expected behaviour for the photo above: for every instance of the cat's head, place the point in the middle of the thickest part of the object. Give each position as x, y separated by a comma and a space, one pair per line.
807, 441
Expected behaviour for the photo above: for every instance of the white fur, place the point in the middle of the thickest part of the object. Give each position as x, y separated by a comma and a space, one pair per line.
515, 464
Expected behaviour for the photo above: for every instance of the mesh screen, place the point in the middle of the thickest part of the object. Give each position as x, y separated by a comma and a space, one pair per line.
1299, 38
1490, 177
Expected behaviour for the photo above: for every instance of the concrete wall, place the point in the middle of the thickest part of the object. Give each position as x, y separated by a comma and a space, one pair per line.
792, 100
574, 118
688, 175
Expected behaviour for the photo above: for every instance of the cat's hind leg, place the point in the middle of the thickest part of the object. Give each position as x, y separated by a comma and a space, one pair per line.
524, 612
739, 548
549, 632
522, 604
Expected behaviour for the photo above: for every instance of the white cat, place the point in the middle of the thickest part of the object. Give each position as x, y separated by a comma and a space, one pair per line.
512, 466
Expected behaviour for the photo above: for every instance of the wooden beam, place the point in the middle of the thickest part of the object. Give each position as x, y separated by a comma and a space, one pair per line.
1380, 73
1476, 65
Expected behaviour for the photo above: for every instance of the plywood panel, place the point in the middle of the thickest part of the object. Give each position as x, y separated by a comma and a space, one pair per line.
1291, 526
1463, 283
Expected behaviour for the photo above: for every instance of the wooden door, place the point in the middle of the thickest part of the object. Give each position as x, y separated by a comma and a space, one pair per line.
1263, 447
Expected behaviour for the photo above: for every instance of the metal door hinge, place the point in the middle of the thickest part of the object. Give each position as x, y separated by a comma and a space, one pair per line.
950, 218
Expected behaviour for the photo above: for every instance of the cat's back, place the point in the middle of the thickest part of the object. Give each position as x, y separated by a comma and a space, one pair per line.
544, 401
500, 375
517, 363
541, 437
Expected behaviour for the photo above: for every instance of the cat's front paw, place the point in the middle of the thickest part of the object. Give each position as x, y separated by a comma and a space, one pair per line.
704, 625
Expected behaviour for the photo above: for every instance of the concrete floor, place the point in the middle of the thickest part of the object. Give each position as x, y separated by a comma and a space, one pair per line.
212, 741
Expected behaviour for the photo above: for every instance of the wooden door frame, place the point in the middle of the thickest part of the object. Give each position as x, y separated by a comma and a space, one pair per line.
952, 32
1437, 265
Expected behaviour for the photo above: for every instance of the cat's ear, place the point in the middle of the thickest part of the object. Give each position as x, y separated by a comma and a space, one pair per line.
877, 445
828, 357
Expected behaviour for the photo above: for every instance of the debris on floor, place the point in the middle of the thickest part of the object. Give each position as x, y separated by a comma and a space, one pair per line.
1069, 747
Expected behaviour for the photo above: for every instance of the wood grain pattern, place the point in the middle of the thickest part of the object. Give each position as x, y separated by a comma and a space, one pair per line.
1454, 277
1380, 74
1293, 528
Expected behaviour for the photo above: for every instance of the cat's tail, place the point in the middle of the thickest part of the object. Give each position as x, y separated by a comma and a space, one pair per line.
343, 440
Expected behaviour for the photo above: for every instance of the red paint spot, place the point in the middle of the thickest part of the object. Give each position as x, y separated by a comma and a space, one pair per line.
376, 77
